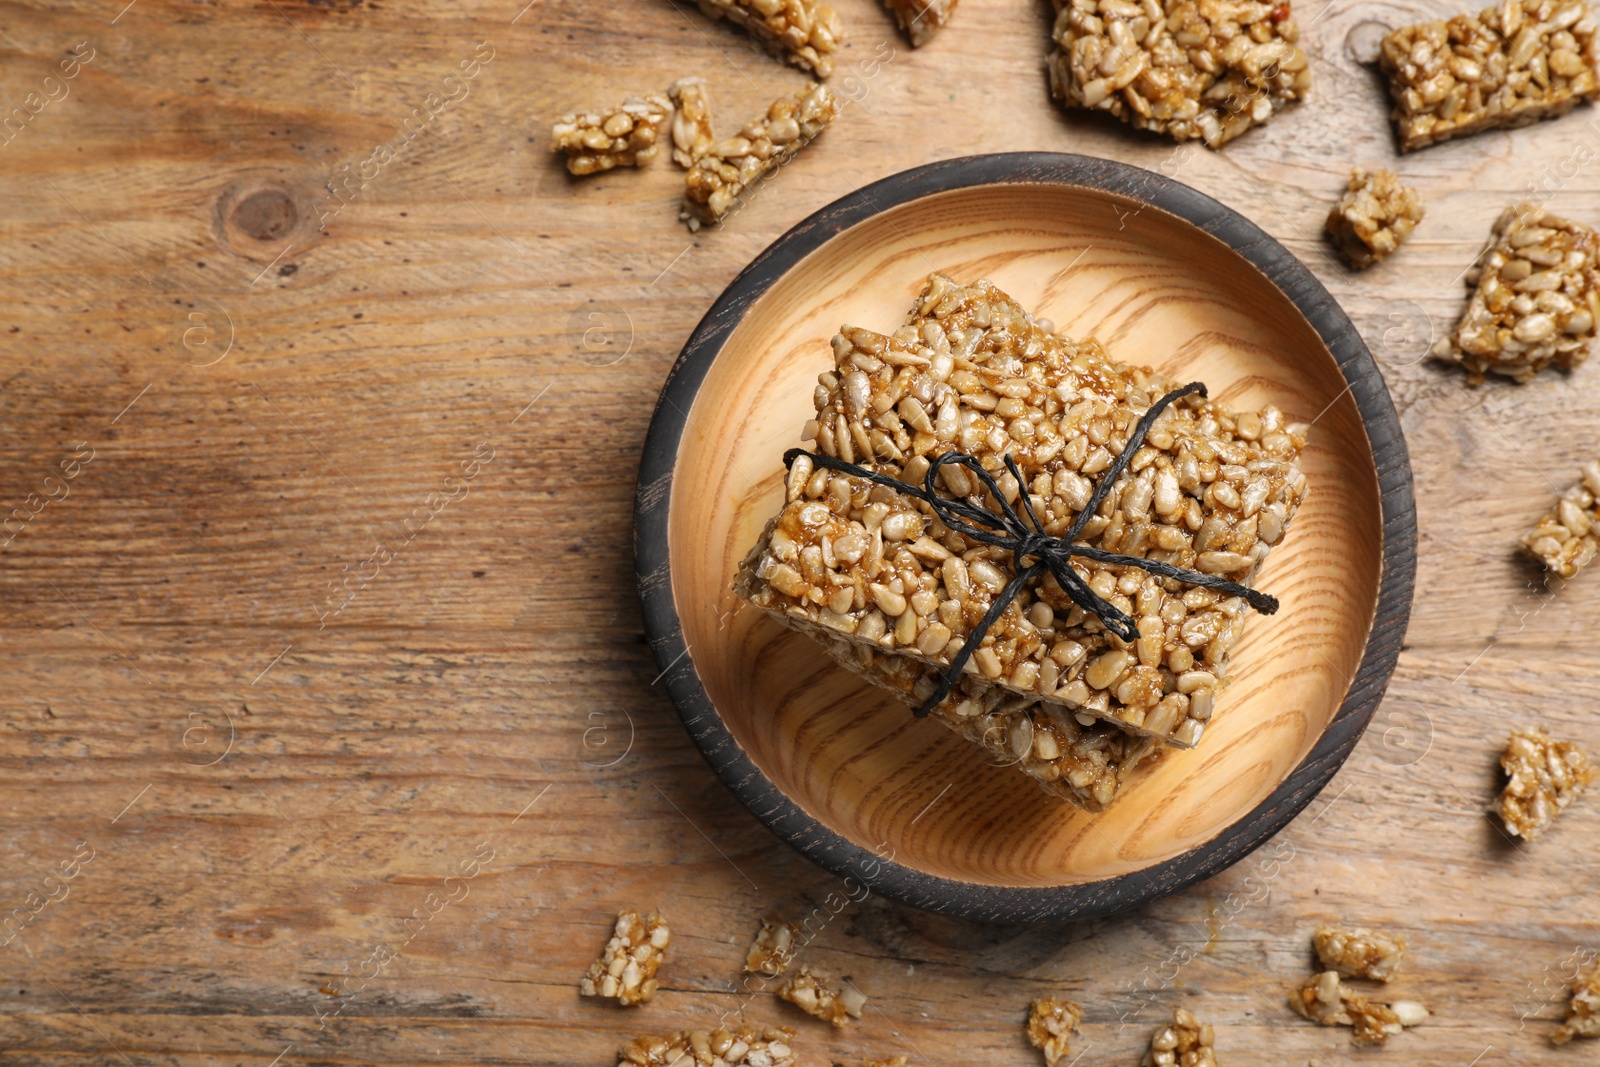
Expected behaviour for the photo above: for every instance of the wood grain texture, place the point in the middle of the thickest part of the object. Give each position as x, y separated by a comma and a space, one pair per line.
228, 904
1106, 251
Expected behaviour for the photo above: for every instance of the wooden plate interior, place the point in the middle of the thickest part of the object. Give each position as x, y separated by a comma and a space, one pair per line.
1155, 290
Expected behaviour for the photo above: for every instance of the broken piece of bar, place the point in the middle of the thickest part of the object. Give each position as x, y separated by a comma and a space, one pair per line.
1583, 1011
1050, 1021
812, 992
1545, 776
1508, 65
691, 120
1326, 1000
747, 1046
773, 948
625, 136
1184, 1042
626, 970
1185, 68
1565, 540
722, 173
804, 32
892, 1061
1357, 952
1373, 217
1084, 764
921, 19
1536, 301
1210, 489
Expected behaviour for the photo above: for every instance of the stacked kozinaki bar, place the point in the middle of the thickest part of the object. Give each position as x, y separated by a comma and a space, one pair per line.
893, 594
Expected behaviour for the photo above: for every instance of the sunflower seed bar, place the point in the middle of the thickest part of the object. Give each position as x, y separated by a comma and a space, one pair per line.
626, 970
1583, 1013
1506, 66
1536, 302
1356, 952
625, 136
747, 1046
804, 32
811, 992
1050, 1020
1565, 539
1545, 777
773, 947
1185, 1042
691, 120
921, 19
1210, 490
1325, 1000
1083, 764
1373, 217
722, 173
1208, 69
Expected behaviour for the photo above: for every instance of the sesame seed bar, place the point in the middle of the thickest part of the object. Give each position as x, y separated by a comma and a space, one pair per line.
1565, 540
812, 992
773, 947
1536, 301
1545, 777
921, 19
1373, 217
1050, 1021
1085, 764
1207, 69
1583, 1012
691, 120
803, 32
1210, 490
1326, 1000
1356, 952
1184, 1042
625, 136
722, 173
1506, 66
748, 1046
626, 970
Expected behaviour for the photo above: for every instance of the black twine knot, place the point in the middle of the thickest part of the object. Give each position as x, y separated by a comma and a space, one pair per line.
1005, 529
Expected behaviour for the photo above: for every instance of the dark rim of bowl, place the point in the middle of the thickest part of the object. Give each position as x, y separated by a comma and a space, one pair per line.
1004, 903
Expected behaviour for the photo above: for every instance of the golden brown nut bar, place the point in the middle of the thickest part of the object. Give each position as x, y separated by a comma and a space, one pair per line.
1207, 69
625, 136
1566, 539
1211, 490
1050, 1021
692, 135
1583, 1012
1536, 300
626, 970
1508, 65
723, 172
1356, 952
1185, 1042
921, 19
1544, 777
804, 32
813, 993
747, 1046
1373, 217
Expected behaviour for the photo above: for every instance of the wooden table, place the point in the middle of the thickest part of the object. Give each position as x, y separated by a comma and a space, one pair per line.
328, 803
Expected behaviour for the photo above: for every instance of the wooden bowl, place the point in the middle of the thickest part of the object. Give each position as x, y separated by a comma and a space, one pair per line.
1163, 276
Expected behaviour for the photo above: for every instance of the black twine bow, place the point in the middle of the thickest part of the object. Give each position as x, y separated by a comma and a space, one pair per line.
1049, 553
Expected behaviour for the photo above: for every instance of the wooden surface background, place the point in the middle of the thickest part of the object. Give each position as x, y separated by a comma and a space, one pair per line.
260, 746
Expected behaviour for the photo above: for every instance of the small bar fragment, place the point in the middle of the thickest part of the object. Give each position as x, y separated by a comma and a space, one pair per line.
625, 136
727, 168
